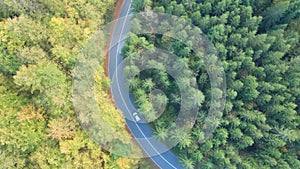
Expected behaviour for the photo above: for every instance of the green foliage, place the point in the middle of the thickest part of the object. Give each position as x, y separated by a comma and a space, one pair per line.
45, 79
39, 44
258, 44
17, 33
140, 5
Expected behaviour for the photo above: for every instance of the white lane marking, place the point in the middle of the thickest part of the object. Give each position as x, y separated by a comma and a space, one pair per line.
116, 72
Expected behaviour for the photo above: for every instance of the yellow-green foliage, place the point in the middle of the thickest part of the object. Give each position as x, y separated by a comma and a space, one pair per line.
39, 45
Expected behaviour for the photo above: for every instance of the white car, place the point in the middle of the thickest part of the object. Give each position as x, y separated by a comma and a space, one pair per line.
137, 118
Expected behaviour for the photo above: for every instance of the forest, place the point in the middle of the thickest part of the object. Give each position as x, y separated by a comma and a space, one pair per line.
257, 42
258, 45
40, 41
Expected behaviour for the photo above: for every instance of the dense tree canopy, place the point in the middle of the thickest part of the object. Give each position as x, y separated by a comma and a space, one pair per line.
40, 41
256, 41
258, 44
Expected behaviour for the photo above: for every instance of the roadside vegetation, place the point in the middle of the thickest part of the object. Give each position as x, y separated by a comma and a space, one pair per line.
258, 44
39, 44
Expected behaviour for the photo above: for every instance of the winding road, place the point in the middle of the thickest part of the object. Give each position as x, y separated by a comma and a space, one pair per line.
136, 124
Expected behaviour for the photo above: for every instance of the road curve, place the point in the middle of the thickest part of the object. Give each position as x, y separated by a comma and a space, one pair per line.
141, 131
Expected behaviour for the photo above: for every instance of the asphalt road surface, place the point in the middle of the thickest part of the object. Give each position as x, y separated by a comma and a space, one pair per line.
136, 124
